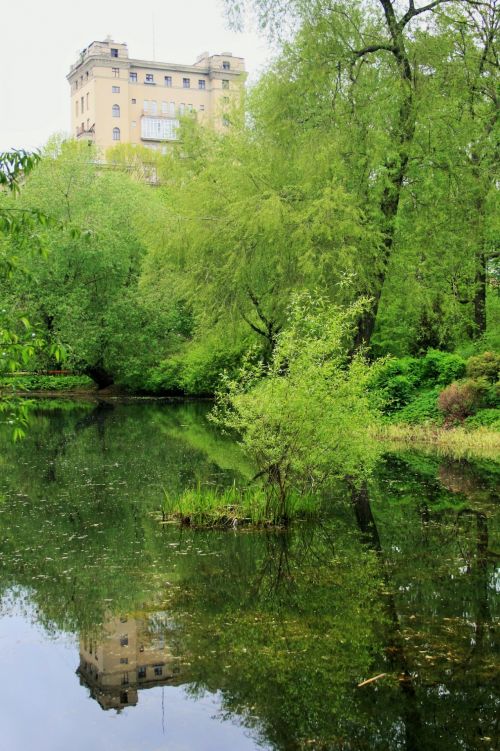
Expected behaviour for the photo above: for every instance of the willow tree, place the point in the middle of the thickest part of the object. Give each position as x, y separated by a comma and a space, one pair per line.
358, 72
246, 226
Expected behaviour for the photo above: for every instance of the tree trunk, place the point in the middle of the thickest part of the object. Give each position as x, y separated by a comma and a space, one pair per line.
100, 376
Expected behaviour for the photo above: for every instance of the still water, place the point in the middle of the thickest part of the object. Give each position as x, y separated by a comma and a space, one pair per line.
120, 632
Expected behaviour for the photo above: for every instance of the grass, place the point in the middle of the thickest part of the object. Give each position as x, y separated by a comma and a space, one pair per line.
232, 507
457, 442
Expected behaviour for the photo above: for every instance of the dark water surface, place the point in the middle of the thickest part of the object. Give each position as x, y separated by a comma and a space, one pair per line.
121, 633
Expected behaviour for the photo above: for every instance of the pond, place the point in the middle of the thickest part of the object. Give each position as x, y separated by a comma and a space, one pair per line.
373, 628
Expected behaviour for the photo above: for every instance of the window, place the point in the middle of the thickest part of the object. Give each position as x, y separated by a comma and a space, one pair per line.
225, 120
88, 97
88, 124
125, 679
149, 78
134, 101
226, 65
158, 129
115, 110
186, 83
76, 107
87, 75
158, 669
201, 83
189, 107
225, 99
116, 72
76, 84
172, 108
202, 108
225, 83
164, 108
124, 697
123, 660
168, 80
114, 52
182, 108
146, 105
115, 89
141, 672
124, 637
134, 123
82, 104
133, 78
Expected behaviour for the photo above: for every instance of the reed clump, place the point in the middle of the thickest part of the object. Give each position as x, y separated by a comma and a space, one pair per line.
206, 506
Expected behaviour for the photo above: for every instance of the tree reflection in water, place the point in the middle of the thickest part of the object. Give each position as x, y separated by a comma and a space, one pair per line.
397, 579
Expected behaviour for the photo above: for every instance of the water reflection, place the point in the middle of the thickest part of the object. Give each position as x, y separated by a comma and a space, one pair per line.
399, 580
131, 655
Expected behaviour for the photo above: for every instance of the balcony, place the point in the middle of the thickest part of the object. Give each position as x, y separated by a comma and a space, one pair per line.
82, 134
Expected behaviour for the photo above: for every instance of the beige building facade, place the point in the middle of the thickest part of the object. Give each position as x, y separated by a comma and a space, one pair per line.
118, 99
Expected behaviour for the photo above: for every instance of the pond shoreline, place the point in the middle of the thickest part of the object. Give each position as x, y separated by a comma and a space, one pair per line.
456, 442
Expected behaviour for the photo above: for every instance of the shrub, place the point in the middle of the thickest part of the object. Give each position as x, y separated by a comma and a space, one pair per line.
489, 418
303, 418
458, 401
486, 365
396, 380
441, 367
196, 370
36, 382
422, 409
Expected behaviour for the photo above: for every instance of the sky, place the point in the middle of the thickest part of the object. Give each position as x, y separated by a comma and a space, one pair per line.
42, 38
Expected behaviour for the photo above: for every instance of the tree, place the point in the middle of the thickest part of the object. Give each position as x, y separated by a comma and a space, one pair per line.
361, 75
248, 223
85, 291
304, 419
18, 227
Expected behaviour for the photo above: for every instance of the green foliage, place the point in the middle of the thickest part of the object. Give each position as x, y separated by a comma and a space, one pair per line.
485, 365
303, 418
422, 409
198, 368
45, 382
396, 380
489, 418
441, 368
84, 292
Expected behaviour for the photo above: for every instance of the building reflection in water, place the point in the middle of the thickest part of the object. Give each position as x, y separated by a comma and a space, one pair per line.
130, 655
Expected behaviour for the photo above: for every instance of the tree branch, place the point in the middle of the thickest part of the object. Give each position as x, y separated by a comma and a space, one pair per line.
412, 11
374, 48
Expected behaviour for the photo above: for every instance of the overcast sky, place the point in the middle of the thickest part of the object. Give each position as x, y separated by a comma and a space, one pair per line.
42, 38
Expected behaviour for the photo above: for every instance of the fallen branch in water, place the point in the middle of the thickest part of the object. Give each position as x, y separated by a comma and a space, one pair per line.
370, 680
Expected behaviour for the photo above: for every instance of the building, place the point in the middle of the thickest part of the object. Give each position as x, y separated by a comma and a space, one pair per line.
115, 98
130, 655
